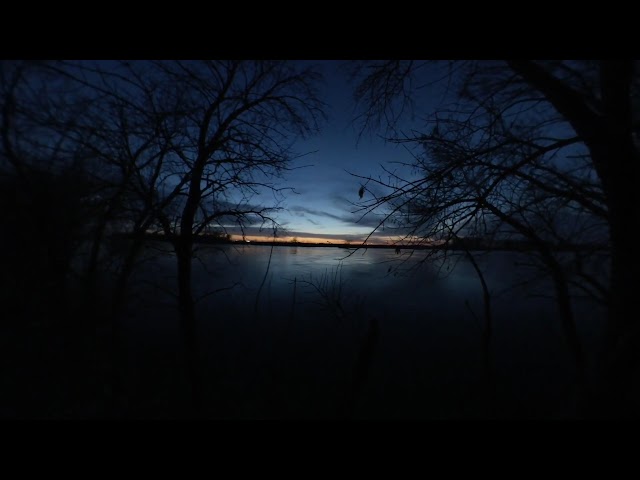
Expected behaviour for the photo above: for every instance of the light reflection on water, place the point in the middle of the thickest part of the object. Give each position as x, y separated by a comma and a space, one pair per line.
430, 319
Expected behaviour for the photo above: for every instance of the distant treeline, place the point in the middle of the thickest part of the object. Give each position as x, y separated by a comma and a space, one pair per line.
467, 243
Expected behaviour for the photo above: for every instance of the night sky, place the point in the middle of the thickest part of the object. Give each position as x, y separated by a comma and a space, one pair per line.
320, 205
322, 208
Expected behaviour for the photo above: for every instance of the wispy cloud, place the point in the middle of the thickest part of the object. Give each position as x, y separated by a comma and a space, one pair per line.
348, 218
298, 209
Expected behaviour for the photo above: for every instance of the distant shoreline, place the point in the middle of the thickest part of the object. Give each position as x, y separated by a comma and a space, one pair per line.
471, 245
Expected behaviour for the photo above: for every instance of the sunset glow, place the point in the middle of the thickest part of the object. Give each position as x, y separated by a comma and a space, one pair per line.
299, 239
355, 241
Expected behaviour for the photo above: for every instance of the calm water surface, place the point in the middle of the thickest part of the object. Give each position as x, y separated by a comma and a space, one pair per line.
288, 346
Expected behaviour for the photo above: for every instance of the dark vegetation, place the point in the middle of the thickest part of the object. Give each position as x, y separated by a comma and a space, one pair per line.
545, 152
536, 157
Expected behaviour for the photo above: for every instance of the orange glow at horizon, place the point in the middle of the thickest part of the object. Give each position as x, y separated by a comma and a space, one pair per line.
339, 241
334, 241
265, 238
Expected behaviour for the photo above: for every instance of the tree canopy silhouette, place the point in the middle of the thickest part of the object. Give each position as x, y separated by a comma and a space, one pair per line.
542, 151
181, 147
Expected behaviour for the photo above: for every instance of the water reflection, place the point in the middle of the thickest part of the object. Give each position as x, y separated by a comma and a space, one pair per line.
430, 336
440, 294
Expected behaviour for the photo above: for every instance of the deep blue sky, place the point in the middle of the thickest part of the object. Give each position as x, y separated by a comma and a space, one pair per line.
323, 205
325, 189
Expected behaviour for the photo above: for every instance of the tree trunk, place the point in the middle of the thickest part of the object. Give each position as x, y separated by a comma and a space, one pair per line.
617, 157
619, 161
117, 307
487, 329
623, 330
624, 262
569, 328
188, 322
608, 133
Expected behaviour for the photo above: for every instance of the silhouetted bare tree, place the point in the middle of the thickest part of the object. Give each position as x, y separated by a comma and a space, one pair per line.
180, 146
238, 122
46, 207
545, 152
